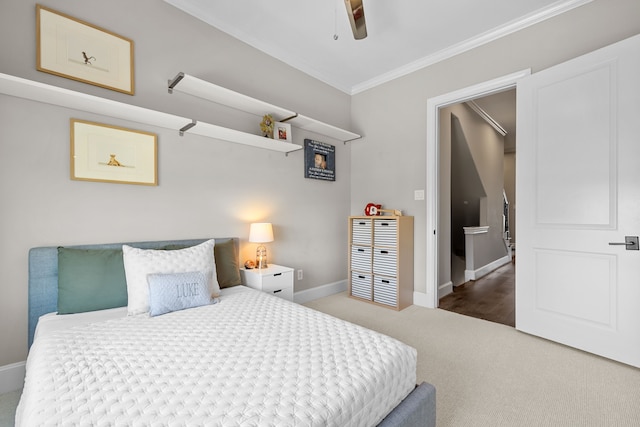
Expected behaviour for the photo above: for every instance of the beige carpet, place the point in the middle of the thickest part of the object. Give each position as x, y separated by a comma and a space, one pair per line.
487, 374
8, 404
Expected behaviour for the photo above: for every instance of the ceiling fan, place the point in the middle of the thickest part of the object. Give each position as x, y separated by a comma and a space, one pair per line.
355, 11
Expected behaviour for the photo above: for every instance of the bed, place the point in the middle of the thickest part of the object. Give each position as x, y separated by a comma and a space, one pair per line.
242, 358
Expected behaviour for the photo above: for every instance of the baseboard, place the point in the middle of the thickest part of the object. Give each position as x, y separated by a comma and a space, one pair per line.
423, 300
445, 289
12, 377
320, 292
482, 271
419, 298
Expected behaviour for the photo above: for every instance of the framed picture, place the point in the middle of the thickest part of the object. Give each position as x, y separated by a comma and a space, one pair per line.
319, 160
282, 132
108, 153
80, 51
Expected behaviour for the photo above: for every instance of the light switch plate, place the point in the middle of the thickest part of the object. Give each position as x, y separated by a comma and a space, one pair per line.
418, 195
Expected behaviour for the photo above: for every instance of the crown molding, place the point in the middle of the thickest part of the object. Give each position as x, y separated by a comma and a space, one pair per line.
556, 9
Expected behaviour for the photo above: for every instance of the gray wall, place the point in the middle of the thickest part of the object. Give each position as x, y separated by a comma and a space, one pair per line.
389, 163
206, 187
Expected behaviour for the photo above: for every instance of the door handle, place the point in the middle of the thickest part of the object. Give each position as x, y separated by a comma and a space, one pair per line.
631, 243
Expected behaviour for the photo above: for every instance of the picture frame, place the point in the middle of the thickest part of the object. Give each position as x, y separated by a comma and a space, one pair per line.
74, 49
107, 153
319, 160
282, 132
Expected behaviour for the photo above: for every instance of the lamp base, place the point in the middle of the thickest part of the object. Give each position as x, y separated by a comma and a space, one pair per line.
261, 257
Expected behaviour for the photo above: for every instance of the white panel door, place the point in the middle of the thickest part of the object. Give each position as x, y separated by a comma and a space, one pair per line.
578, 186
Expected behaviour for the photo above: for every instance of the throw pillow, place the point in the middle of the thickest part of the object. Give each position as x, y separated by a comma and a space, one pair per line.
90, 279
177, 291
227, 268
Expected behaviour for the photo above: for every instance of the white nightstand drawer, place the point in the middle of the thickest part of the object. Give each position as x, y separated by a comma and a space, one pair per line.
285, 293
279, 284
275, 280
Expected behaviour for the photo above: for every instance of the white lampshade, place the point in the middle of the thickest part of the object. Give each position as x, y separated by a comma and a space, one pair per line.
261, 232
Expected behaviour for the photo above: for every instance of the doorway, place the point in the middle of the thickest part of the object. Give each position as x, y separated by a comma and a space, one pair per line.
438, 261
478, 182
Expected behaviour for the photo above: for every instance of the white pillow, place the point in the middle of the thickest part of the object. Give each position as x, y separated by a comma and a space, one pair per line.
139, 263
177, 291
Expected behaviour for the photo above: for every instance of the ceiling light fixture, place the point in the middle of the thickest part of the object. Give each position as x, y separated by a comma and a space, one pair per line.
355, 11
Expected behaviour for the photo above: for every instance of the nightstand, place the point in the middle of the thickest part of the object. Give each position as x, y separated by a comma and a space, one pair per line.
276, 280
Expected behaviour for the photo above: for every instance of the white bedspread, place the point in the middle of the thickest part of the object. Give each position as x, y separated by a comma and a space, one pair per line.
250, 360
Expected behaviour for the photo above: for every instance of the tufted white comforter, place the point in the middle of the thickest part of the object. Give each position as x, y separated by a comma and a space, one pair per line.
250, 360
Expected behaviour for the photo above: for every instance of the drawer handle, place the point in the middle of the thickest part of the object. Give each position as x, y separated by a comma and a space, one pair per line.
362, 223
360, 277
277, 274
384, 252
385, 281
384, 224
360, 250
279, 290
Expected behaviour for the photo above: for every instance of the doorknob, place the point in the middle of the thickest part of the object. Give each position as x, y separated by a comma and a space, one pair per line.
631, 243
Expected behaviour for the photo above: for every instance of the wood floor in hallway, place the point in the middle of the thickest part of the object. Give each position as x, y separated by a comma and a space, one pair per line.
491, 297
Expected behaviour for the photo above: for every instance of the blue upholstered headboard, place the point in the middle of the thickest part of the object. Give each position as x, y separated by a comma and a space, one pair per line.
43, 274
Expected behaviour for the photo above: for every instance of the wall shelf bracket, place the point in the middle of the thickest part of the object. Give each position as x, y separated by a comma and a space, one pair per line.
290, 117
173, 82
188, 126
352, 139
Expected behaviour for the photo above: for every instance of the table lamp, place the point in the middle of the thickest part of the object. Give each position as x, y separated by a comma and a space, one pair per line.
261, 232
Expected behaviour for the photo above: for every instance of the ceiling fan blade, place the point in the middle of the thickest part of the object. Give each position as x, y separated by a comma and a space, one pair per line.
355, 11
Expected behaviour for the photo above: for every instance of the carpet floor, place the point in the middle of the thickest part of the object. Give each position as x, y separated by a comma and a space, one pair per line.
8, 403
488, 374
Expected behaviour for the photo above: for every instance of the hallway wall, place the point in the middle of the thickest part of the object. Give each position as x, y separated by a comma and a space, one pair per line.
486, 148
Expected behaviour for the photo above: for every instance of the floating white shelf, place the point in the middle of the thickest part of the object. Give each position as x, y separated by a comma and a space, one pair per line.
41, 92
313, 125
194, 86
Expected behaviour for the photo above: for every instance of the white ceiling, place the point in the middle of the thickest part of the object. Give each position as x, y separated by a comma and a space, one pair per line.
403, 35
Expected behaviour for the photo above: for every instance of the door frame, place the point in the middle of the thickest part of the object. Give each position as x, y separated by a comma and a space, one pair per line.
433, 167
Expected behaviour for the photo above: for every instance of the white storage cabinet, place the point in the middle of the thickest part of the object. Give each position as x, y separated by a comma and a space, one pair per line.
381, 260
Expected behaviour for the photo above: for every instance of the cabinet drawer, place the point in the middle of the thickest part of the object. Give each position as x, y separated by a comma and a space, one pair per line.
361, 285
282, 292
279, 284
361, 231
385, 290
385, 232
361, 259
385, 261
